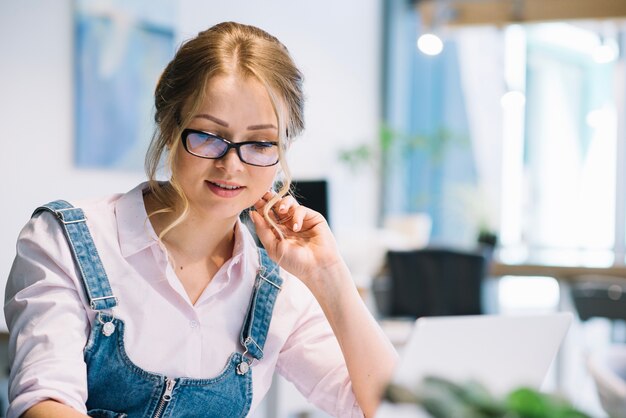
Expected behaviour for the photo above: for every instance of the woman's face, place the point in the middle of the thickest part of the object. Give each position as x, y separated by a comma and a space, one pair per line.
237, 109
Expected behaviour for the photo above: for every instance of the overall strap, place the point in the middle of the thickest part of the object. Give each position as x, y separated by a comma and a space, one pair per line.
259, 315
84, 252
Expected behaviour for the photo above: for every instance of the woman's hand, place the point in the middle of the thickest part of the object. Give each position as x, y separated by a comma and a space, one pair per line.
307, 248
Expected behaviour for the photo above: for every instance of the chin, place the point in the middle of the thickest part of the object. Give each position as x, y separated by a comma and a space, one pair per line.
222, 209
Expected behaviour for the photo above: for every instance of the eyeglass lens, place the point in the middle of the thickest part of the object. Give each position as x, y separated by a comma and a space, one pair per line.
211, 146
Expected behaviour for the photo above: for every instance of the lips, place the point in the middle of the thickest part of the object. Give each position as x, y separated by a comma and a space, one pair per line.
224, 188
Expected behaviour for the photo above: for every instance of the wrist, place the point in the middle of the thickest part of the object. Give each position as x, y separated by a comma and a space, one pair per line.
332, 284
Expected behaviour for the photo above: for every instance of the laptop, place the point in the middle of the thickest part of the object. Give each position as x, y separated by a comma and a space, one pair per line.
503, 352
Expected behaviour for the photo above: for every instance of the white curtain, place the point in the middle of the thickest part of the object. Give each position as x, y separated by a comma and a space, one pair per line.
481, 63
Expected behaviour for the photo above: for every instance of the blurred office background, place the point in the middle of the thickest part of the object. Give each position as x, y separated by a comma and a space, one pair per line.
503, 138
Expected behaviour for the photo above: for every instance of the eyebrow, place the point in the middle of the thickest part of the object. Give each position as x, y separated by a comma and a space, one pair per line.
225, 124
262, 126
212, 118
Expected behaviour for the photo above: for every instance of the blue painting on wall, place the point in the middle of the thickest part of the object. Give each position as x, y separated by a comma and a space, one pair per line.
121, 50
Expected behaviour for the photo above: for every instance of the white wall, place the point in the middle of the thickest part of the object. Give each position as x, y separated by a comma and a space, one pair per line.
336, 44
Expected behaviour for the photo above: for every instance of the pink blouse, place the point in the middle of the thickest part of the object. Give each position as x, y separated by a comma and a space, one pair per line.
49, 317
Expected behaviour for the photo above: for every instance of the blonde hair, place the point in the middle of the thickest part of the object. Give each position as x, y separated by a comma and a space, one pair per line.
224, 49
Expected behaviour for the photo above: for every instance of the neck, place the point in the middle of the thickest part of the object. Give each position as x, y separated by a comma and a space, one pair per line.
197, 237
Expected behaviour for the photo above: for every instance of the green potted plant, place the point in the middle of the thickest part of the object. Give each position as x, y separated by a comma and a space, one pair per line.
440, 398
370, 154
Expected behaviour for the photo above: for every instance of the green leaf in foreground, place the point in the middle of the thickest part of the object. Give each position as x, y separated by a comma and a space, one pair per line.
442, 398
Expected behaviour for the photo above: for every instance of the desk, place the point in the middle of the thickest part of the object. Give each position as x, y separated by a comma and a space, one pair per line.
565, 275
561, 273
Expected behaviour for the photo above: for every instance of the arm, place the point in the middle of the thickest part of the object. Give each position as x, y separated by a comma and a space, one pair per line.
369, 355
47, 321
52, 409
309, 251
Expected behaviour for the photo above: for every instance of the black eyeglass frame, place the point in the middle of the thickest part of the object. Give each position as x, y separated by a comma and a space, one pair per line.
229, 145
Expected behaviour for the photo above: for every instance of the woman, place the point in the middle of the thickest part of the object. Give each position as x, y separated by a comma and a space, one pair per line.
161, 304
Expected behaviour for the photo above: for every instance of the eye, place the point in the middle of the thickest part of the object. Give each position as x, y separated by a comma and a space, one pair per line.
262, 146
197, 139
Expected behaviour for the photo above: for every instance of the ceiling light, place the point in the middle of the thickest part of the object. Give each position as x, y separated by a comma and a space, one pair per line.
430, 44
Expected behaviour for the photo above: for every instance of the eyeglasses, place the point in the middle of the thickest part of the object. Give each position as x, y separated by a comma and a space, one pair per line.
207, 145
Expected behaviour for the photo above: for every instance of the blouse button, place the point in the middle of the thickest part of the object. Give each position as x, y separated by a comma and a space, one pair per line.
194, 324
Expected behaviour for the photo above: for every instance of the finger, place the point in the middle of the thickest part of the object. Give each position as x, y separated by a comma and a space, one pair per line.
286, 203
266, 234
259, 204
268, 195
292, 214
297, 218
281, 211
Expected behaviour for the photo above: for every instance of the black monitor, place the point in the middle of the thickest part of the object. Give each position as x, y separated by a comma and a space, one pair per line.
313, 194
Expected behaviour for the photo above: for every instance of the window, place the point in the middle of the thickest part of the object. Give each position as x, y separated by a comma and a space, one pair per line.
559, 201
535, 139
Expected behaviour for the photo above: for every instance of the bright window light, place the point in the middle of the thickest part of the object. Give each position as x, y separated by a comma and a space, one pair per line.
517, 294
606, 52
513, 100
598, 118
430, 44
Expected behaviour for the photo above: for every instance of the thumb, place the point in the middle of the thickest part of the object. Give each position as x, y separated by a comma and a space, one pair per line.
263, 229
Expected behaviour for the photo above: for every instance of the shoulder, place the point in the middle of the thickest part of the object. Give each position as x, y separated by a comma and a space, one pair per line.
45, 227
98, 211
42, 240
43, 232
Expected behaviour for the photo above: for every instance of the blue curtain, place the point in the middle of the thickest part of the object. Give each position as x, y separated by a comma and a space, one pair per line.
429, 157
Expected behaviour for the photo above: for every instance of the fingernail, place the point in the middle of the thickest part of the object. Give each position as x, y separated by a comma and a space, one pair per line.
281, 208
295, 227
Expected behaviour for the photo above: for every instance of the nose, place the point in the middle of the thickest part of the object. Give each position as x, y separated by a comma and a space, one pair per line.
230, 161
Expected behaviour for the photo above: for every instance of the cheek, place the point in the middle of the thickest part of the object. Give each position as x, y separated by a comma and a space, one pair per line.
178, 163
271, 177
187, 166
264, 180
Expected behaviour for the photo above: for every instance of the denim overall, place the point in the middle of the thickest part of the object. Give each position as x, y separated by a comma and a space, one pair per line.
119, 388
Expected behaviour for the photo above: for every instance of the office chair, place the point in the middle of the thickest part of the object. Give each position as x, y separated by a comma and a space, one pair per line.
601, 298
434, 282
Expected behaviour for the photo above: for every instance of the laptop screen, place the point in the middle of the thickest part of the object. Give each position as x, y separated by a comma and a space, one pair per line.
502, 352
